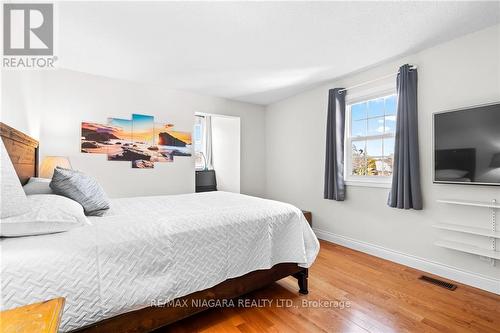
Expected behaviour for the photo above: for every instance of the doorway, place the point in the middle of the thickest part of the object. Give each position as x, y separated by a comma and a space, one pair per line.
217, 147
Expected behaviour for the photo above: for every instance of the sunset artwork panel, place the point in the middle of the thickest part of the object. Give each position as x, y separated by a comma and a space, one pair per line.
94, 138
143, 138
172, 143
143, 128
139, 140
122, 138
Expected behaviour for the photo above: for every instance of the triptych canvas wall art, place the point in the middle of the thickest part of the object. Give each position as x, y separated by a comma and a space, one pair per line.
140, 140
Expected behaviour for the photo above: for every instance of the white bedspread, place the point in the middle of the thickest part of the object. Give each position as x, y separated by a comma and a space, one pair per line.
152, 248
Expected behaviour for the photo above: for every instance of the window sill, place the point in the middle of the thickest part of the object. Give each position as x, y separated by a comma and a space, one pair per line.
364, 183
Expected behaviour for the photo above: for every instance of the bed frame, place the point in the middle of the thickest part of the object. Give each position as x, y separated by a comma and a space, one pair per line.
23, 151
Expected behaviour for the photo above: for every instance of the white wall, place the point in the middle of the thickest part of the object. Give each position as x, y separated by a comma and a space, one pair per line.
226, 152
50, 105
462, 72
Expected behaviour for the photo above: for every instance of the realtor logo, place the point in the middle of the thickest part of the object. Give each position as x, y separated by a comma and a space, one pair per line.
28, 29
28, 36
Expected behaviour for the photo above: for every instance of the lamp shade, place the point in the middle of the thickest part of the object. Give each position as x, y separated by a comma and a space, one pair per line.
49, 163
495, 161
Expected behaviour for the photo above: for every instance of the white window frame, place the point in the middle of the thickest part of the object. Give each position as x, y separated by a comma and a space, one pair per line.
365, 95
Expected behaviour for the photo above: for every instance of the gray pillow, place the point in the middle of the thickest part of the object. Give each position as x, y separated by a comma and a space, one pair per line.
82, 188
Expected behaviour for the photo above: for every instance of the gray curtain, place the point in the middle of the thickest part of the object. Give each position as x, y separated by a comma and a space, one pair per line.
334, 161
405, 191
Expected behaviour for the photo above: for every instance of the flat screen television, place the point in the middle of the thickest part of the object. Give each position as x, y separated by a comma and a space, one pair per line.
467, 146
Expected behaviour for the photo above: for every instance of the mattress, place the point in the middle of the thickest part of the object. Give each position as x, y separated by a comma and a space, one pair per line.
152, 249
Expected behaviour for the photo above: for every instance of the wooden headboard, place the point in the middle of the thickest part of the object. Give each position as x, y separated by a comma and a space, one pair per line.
23, 152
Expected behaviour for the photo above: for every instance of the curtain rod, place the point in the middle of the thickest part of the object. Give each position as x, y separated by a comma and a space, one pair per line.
412, 67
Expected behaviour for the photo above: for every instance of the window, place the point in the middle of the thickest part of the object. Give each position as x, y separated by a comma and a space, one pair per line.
371, 128
198, 142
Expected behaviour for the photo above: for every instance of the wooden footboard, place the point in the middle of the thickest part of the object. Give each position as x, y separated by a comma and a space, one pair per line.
150, 318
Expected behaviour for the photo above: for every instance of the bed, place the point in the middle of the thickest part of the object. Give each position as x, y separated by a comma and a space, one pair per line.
130, 269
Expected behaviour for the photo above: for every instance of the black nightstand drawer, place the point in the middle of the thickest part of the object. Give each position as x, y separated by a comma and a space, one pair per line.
205, 181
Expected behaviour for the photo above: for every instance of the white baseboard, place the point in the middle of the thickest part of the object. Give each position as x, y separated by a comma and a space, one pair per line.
452, 273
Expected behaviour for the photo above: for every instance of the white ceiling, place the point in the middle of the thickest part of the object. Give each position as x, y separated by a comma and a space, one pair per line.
258, 52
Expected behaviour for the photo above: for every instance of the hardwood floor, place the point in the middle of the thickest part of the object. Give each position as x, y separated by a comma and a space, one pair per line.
382, 297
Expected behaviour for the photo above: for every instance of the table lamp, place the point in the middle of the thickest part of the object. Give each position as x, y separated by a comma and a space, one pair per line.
49, 163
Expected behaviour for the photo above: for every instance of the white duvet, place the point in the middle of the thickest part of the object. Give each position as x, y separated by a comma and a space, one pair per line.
152, 248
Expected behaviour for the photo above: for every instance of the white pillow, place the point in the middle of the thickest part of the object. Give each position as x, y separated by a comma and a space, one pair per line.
449, 174
49, 213
38, 185
13, 200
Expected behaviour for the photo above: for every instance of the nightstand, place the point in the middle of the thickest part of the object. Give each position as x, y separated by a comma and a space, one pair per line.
41, 317
308, 216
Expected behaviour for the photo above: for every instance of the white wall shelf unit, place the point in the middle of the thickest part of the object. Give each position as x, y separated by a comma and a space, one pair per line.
468, 249
468, 230
492, 233
492, 204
